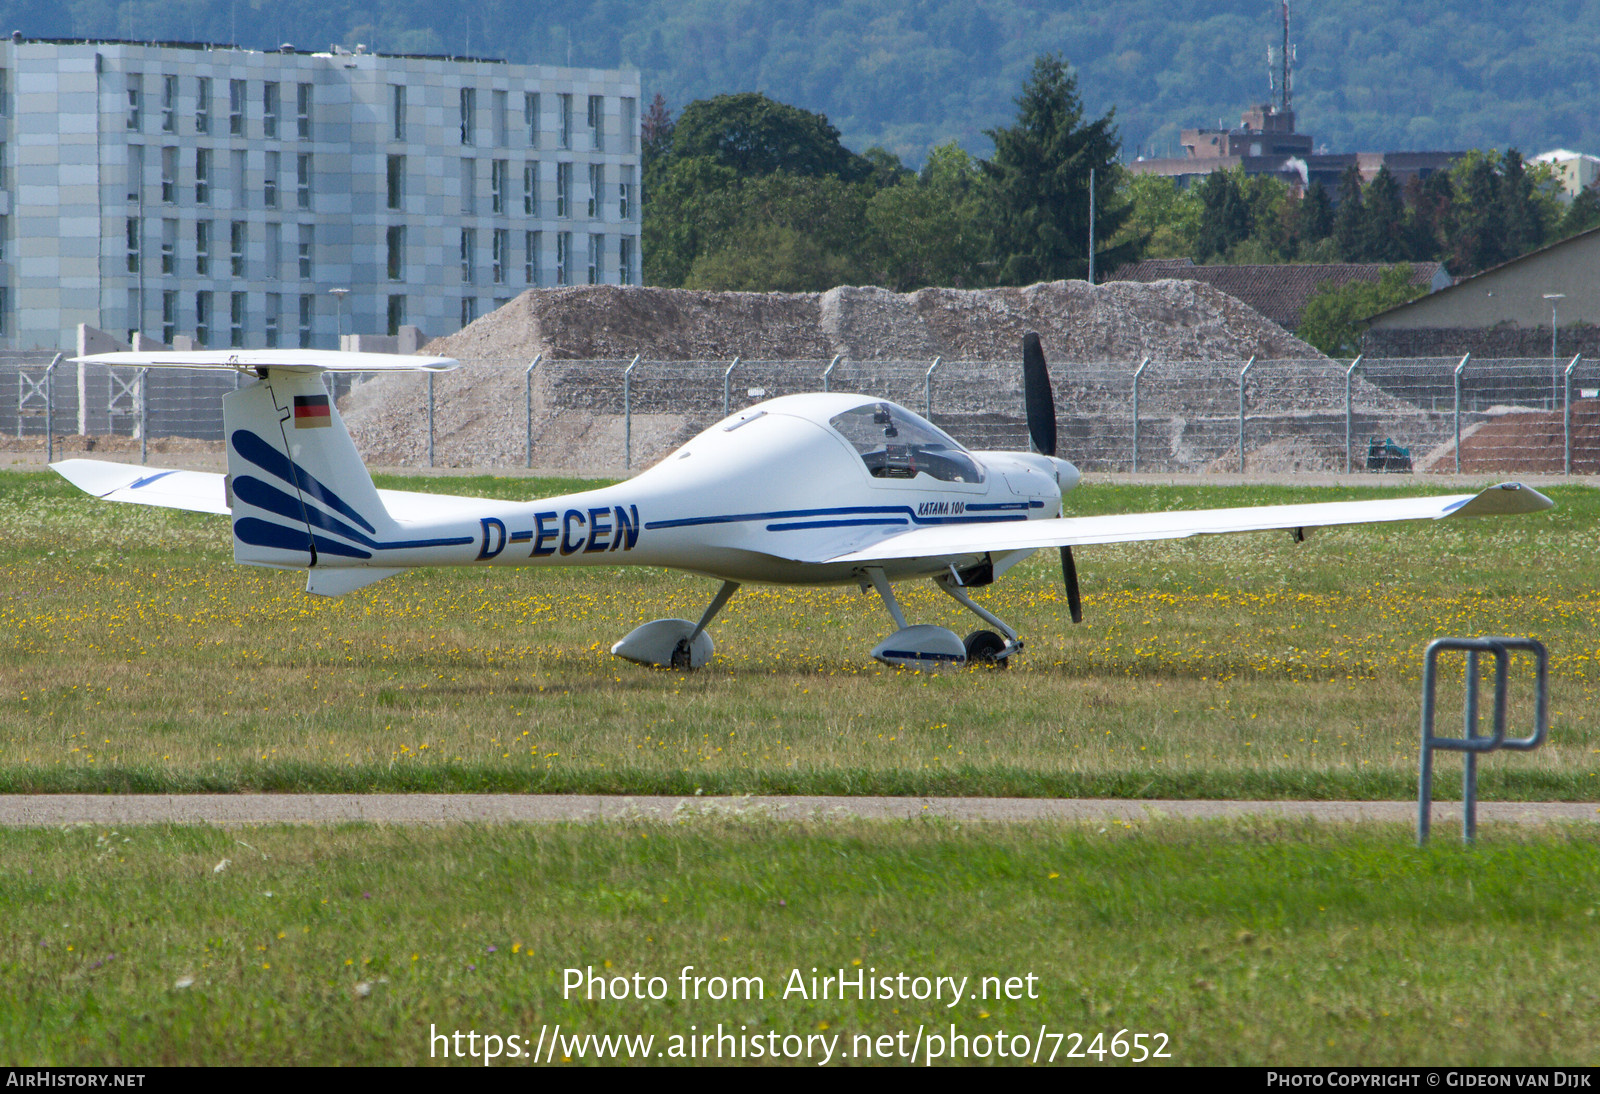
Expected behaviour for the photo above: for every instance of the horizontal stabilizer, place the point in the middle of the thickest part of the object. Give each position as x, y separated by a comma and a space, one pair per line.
196, 491
289, 360
959, 540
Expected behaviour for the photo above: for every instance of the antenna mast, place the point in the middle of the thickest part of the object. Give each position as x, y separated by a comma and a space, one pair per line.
1286, 56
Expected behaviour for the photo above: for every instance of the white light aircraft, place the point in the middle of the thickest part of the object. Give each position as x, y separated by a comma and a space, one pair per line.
820, 489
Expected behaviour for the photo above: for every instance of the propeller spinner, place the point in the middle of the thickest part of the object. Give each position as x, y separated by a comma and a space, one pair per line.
1040, 407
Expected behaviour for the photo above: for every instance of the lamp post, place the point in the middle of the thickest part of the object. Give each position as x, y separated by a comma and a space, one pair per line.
339, 295
1554, 383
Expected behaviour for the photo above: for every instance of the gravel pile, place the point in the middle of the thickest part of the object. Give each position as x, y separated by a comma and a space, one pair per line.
886, 339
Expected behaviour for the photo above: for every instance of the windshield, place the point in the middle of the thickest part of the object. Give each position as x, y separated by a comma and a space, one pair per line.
897, 444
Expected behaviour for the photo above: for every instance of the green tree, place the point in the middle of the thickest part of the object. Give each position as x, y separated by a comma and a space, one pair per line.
927, 230
1335, 318
1381, 229
1037, 185
1349, 217
1227, 219
754, 135
1163, 220
1581, 215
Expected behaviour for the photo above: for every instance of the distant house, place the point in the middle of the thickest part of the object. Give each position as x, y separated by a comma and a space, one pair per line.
1278, 292
1575, 171
1505, 311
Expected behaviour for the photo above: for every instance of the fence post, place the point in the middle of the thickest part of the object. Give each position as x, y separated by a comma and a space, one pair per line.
828, 372
927, 389
1242, 374
727, 375
430, 419
527, 397
1460, 368
144, 416
627, 412
1138, 374
1566, 415
1348, 373
49, 408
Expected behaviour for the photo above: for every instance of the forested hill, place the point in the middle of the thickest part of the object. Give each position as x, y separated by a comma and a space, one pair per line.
907, 75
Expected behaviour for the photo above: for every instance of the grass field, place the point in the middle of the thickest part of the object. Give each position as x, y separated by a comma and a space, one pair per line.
1254, 943
134, 655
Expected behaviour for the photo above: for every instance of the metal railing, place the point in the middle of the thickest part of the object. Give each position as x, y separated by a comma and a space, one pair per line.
1269, 416
1472, 743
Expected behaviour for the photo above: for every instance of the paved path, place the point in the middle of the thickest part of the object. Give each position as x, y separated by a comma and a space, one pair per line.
242, 809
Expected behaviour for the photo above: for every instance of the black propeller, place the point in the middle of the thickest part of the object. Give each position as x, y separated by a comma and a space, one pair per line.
1040, 407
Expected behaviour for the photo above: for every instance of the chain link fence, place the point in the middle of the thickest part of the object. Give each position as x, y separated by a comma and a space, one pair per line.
1380, 415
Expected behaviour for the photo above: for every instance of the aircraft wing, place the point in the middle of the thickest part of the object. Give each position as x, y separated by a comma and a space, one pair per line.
196, 491
956, 540
206, 492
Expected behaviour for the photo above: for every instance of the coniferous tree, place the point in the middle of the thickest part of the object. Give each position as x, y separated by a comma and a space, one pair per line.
1037, 185
1382, 226
1226, 221
1348, 218
1316, 214
1521, 223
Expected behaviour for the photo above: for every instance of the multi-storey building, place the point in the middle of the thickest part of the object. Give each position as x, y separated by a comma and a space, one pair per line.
223, 193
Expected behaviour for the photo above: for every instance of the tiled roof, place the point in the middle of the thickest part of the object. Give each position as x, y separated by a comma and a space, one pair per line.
1278, 292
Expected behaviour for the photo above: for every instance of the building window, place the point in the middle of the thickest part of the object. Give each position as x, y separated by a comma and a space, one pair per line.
133, 244
469, 187
307, 237
236, 107
502, 254
274, 251
500, 109
625, 260
236, 241
597, 187
630, 125
135, 101
563, 189
169, 175
396, 237
533, 243
269, 109
274, 307
397, 181
563, 253
202, 248
169, 250
597, 245
469, 115
241, 196
306, 300
530, 117
397, 313
135, 172
302, 175
202, 105
597, 123
625, 195
469, 247
397, 111
202, 317
469, 309
202, 176
169, 316
565, 133
269, 184
302, 112
497, 186
530, 188
169, 104
236, 320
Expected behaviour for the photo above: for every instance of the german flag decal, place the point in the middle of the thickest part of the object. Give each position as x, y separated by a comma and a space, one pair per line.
311, 412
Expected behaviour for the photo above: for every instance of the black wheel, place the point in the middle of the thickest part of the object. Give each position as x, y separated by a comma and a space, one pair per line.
985, 648
680, 655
